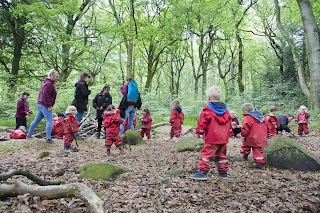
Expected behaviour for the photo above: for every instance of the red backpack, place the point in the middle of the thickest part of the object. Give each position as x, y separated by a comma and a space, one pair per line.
18, 134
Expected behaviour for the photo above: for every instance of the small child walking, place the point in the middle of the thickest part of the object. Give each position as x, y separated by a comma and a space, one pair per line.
146, 124
57, 127
22, 110
112, 121
302, 119
176, 119
255, 135
71, 128
273, 122
214, 124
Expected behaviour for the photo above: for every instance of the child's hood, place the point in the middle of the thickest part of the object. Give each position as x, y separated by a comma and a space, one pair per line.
109, 116
257, 116
221, 113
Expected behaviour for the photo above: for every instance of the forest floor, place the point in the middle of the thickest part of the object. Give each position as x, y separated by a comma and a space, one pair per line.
147, 187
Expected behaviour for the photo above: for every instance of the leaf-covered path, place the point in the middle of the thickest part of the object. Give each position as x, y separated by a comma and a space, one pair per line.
147, 186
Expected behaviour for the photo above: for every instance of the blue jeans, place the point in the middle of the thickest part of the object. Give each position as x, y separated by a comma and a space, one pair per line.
79, 116
42, 112
130, 112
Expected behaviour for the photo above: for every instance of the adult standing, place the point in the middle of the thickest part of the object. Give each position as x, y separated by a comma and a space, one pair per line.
100, 102
130, 101
81, 95
46, 100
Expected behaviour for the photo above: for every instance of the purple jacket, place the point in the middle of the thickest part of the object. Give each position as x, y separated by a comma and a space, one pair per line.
22, 108
124, 89
47, 95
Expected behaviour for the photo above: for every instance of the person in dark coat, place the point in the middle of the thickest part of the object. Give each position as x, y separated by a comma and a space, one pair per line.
81, 95
46, 100
102, 100
22, 110
284, 120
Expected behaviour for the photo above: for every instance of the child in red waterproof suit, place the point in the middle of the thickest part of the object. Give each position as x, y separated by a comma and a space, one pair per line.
71, 128
302, 119
57, 127
112, 121
273, 122
176, 120
214, 124
255, 135
146, 124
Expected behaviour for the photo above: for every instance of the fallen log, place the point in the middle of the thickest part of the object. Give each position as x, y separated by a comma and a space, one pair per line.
47, 191
89, 197
29, 175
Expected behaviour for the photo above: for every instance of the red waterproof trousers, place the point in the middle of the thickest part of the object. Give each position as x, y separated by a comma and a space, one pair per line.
216, 151
68, 138
272, 132
303, 128
257, 153
175, 131
145, 132
113, 139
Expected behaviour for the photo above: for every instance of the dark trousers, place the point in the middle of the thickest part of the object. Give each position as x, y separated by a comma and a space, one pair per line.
21, 122
99, 124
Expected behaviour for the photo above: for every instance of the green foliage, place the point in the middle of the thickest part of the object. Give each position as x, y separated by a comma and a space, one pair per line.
132, 138
6, 148
100, 171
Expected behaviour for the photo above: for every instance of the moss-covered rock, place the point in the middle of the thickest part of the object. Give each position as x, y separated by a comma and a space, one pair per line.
100, 171
42, 154
285, 153
132, 138
189, 144
175, 172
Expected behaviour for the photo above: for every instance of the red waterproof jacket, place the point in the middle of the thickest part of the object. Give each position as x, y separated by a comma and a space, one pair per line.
272, 121
74, 125
176, 119
146, 122
302, 118
57, 126
255, 134
112, 123
18, 134
214, 128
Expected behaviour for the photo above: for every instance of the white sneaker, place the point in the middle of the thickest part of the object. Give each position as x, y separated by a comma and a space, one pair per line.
169, 140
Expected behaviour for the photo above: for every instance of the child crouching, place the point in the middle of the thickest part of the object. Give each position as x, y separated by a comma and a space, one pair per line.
255, 135
112, 121
71, 128
214, 124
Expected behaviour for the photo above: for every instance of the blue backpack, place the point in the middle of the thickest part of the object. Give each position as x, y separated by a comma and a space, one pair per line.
133, 92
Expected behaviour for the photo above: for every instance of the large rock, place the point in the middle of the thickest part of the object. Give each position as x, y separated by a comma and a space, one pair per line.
100, 171
189, 144
285, 153
132, 138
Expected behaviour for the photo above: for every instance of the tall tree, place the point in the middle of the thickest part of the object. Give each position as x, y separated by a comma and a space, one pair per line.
312, 33
294, 51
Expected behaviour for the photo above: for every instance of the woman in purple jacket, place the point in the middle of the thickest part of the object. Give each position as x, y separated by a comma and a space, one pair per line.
46, 100
22, 110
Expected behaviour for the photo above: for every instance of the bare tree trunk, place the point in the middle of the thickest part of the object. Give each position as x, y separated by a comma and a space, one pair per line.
240, 64
312, 34
294, 51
